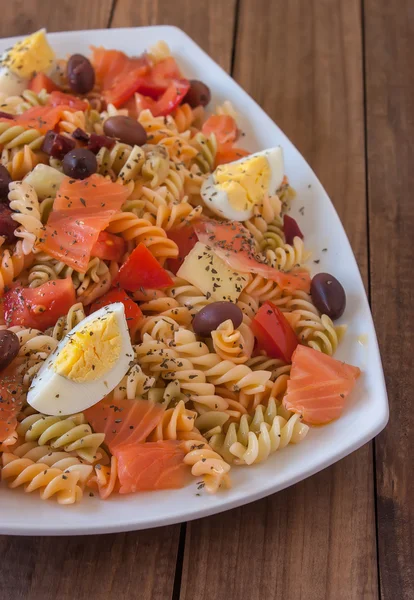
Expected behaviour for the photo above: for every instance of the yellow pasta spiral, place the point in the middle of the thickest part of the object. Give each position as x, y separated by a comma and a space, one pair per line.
157, 128
139, 230
233, 344
72, 120
262, 289
255, 438
20, 162
12, 263
66, 485
183, 117
288, 257
207, 464
14, 136
173, 421
73, 434
23, 201
156, 165
207, 150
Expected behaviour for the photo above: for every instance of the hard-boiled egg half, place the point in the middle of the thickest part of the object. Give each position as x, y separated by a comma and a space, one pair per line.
233, 189
88, 363
19, 63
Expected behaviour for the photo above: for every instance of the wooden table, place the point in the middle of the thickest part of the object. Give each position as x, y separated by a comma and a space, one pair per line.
337, 76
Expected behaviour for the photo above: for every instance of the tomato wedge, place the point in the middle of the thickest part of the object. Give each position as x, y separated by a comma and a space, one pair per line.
42, 82
171, 98
186, 239
39, 308
273, 333
157, 80
133, 312
58, 98
224, 128
142, 270
109, 246
125, 86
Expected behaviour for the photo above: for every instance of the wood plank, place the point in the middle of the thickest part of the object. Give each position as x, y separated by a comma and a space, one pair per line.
210, 25
114, 566
389, 48
317, 539
125, 565
27, 16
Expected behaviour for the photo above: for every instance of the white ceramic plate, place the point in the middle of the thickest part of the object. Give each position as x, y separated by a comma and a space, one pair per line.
366, 412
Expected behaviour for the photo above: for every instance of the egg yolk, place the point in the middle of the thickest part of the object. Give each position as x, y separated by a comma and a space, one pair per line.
31, 55
90, 352
245, 183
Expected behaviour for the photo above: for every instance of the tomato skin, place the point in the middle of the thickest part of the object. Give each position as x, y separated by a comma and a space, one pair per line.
133, 313
109, 246
142, 270
224, 128
291, 229
58, 98
42, 82
157, 80
227, 153
185, 238
55, 297
273, 333
171, 98
125, 86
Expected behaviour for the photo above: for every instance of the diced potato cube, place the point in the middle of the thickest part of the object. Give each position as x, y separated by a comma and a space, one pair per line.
207, 271
45, 180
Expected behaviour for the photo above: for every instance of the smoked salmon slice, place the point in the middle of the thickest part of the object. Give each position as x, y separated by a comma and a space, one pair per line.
234, 244
11, 402
42, 118
93, 193
318, 386
124, 421
81, 210
151, 466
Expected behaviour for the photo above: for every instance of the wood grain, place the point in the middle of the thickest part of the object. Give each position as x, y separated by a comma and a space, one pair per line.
317, 539
125, 565
210, 25
389, 39
25, 16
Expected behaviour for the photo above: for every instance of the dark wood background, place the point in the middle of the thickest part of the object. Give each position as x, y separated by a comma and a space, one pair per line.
338, 77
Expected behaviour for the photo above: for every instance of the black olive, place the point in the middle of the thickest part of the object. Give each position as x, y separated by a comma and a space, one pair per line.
79, 163
125, 129
5, 179
198, 94
81, 74
212, 315
7, 224
328, 295
9, 347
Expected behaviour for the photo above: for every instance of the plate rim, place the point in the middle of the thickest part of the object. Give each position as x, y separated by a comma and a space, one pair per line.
376, 424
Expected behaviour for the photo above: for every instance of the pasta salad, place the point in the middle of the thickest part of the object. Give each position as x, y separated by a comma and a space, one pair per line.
159, 320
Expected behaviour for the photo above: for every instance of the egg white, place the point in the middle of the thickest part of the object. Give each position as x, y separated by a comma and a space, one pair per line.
10, 83
217, 200
53, 394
